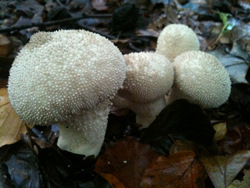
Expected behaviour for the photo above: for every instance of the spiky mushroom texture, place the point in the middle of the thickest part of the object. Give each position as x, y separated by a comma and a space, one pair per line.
67, 78
176, 39
149, 77
201, 79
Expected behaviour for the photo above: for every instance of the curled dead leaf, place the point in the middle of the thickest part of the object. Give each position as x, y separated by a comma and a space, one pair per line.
241, 184
221, 131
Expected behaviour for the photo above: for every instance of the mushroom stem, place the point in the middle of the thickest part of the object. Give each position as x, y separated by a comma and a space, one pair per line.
175, 94
145, 112
88, 130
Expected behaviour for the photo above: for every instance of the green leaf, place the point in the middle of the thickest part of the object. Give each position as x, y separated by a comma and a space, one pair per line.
227, 26
223, 17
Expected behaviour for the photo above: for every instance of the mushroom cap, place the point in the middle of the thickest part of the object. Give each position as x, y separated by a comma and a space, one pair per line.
176, 39
58, 74
201, 78
149, 76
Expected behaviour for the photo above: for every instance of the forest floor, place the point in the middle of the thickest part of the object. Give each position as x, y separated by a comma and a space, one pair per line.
168, 154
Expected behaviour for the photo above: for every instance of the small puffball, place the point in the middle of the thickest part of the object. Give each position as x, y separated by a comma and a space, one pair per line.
201, 79
176, 39
149, 76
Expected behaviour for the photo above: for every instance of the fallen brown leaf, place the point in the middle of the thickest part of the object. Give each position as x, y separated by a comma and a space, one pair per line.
123, 164
223, 169
177, 170
11, 125
180, 120
236, 139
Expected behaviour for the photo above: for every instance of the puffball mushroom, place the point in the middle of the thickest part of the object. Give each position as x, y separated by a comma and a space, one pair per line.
68, 77
201, 79
149, 77
176, 39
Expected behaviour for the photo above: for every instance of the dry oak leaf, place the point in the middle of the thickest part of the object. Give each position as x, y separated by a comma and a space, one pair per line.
181, 169
223, 169
11, 125
123, 164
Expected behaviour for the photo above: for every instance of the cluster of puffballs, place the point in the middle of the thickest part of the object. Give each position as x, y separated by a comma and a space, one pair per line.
72, 77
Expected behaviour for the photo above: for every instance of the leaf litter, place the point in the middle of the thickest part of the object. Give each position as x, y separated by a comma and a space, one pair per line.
223, 30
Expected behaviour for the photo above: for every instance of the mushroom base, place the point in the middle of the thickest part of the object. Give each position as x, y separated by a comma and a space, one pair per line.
145, 112
205, 100
175, 94
84, 134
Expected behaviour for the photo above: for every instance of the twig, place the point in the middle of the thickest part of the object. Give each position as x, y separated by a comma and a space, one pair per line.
134, 48
54, 22
98, 32
59, 2
216, 40
39, 134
